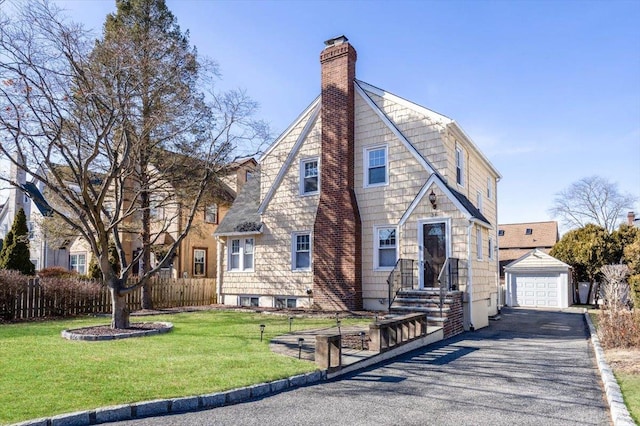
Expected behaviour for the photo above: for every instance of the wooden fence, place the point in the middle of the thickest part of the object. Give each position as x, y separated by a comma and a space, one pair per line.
33, 300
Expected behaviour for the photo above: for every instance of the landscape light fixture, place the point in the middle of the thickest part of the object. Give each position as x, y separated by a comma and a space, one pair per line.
290, 322
300, 342
362, 334
261, 331
432, 199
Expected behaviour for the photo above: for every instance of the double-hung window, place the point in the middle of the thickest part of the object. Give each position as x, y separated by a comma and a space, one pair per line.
78, 263
491, 248
479, 201
376, 166
211, 214
459, 166
199, 262
386, 253
301, 251
241, 254
489, 188
309, 176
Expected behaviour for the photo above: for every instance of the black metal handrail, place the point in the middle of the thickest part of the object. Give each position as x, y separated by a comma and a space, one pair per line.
400, 278
448, 278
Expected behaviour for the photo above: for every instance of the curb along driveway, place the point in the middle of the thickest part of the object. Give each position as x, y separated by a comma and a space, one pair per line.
531, 367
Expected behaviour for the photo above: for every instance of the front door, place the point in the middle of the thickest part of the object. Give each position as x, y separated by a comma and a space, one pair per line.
434, 236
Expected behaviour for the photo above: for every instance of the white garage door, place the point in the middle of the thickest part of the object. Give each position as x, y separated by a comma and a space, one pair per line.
537, 290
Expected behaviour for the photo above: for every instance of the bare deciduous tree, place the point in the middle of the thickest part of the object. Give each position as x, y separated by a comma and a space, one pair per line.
591, 200
69, 116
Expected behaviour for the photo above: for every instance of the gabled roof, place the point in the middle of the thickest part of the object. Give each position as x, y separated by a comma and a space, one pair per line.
516, 235
459, 200
243, 217
38, 199
537, 259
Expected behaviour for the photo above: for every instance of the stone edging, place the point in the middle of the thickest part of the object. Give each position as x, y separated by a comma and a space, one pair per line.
70, 335
619, 412
161, 407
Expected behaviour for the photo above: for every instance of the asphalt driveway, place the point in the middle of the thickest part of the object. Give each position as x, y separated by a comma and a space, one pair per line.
531, 367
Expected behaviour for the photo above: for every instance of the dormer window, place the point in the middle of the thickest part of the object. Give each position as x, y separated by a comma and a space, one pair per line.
528, 231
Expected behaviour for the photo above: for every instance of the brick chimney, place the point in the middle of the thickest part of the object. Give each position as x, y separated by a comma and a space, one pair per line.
337, 257
631, 216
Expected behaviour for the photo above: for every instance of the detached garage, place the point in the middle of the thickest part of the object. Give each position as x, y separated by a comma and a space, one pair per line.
538, 280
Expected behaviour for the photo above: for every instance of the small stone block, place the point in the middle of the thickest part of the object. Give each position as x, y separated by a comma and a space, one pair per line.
314, 376
238, 395
113, 414
279, 385
152, 408
72, 419
261, 389
34, 422
189, 403
213, 400
299, 380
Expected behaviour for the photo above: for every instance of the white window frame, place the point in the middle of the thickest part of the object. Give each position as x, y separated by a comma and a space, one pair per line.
460, 177
242, 254
303, 164
366, 152
251, 299
204, 263
286, 302
479, 242
377, 248
211, 213
479, 201
77, 263
489, 188
491, 248
294, 250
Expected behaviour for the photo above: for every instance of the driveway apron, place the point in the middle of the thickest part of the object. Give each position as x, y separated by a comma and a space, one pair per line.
531, 367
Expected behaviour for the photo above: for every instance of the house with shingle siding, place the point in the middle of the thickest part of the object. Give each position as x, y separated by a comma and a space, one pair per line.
518, 239
362, 184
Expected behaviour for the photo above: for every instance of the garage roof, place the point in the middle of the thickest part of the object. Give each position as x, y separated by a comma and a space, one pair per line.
536, 259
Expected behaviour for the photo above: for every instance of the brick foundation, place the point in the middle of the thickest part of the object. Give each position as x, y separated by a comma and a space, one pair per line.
455, 318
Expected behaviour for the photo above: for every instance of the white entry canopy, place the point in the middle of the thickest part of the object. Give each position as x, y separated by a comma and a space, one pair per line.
538, 280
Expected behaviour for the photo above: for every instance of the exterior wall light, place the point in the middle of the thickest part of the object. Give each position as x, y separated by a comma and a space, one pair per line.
432, 199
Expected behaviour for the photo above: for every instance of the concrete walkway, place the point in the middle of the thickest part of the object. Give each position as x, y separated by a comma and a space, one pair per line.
532, 367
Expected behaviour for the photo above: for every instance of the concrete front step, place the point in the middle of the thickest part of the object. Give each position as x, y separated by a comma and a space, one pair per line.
435, 301
419, 308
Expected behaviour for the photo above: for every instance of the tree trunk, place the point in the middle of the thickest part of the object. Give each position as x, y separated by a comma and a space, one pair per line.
120, 313
147, 301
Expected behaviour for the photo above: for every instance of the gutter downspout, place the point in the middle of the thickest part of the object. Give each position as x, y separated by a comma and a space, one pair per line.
469, 276
499, 300
219, 250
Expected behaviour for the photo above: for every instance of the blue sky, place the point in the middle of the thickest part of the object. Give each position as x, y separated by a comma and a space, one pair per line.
549, 90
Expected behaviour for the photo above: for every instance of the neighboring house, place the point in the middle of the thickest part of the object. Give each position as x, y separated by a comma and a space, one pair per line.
43, 252
517, 239
361, 179
195, 257
632, 220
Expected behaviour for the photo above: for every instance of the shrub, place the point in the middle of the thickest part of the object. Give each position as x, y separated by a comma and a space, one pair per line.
634, 282
57, 272
69, 295
619, 329
15, 253
11, 282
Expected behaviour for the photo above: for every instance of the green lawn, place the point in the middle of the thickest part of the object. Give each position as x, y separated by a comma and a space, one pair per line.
42, 374
630, 387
